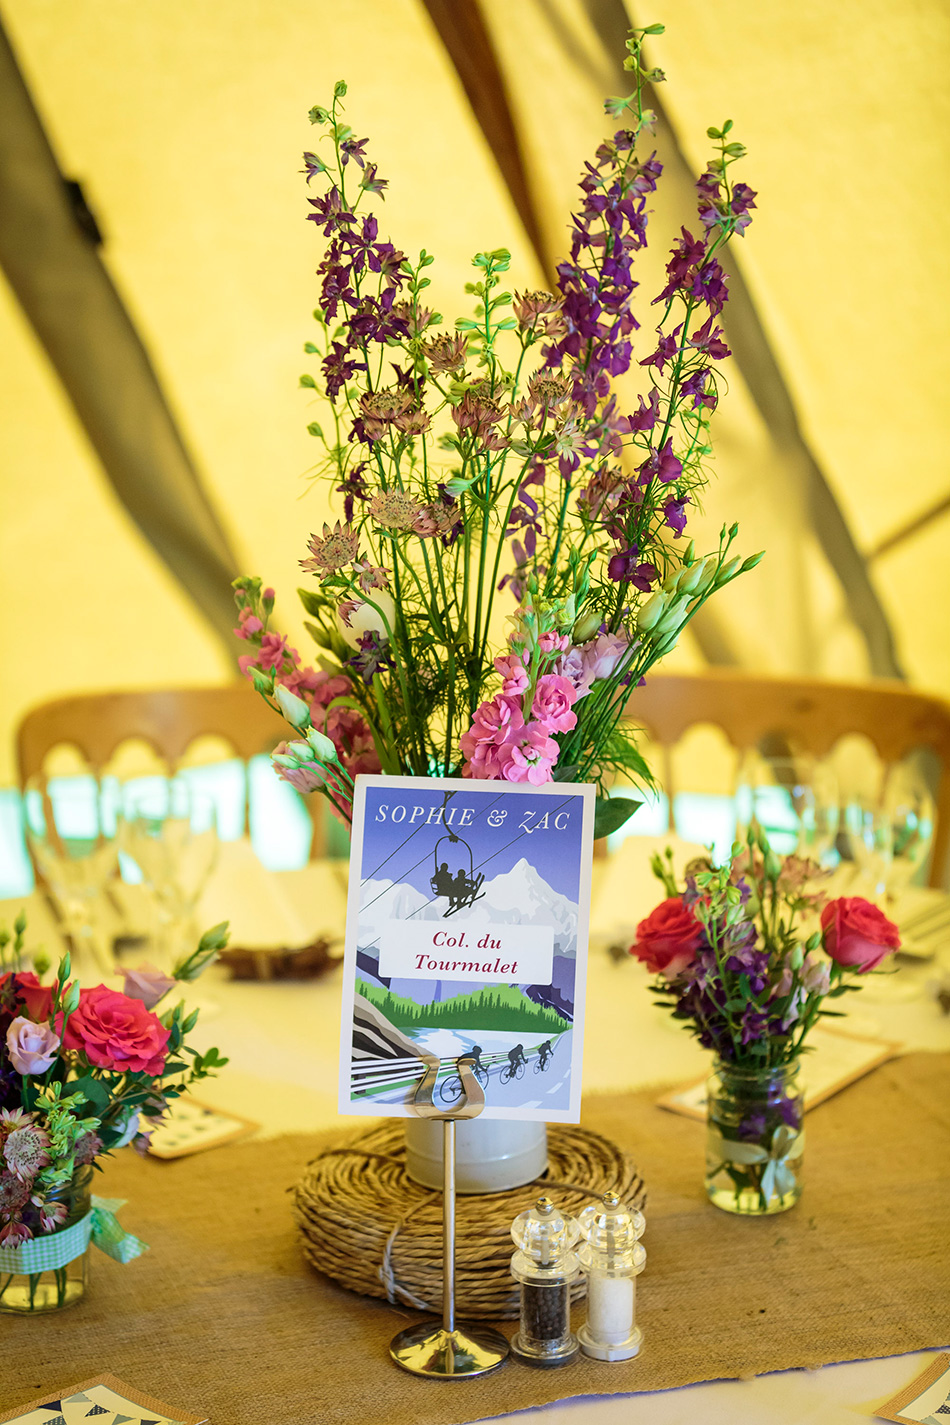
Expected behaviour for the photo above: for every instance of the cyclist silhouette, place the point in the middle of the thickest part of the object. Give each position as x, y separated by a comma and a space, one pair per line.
516, 1057
545, 1052
475, 1054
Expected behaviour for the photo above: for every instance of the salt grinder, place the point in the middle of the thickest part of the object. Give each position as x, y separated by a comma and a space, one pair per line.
613, 1257
545, 1266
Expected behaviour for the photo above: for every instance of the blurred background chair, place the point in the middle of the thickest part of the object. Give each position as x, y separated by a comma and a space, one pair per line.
787, 718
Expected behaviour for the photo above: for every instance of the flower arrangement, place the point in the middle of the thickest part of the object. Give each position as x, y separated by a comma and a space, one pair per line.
84, 1071
739, 963
496, 454
736, 960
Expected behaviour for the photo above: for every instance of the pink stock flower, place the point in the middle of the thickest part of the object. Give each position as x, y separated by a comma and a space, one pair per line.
274, 650
491, 727
554, 642
514, 673
553, 700
529, 755
248, 624
32, 1047
146, 983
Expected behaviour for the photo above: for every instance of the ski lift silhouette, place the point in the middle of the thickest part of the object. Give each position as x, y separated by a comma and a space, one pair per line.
460, 887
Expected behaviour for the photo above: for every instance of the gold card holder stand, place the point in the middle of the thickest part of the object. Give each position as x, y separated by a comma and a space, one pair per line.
448, 1350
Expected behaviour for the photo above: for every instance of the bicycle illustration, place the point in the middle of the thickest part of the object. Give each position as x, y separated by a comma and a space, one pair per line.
512, 1071
450, 1090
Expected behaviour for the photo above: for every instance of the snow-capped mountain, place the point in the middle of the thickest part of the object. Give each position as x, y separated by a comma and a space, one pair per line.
520, 894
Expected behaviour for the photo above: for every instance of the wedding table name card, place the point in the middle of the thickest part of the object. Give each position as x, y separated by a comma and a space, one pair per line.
105, 1400
467, 926
926, 1401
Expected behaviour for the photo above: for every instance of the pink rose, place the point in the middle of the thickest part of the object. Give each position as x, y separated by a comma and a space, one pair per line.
32, 1047
668, 939
857, 934
146, 983
553, 699
116, 1032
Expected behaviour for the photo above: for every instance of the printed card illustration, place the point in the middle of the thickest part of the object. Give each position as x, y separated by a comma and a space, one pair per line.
466, 940
105, 1400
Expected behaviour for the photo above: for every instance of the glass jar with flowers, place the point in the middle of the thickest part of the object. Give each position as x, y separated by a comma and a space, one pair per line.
746, 955
82, 1071
500, 455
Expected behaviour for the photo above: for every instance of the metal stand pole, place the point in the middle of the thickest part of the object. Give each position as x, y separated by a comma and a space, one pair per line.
447, 1351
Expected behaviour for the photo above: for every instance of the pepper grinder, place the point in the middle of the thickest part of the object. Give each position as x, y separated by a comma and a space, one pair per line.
545, 1266
613, 1257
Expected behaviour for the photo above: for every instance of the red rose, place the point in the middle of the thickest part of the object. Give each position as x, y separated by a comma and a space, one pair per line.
116, 1032
857, 934
668, 939
30, 995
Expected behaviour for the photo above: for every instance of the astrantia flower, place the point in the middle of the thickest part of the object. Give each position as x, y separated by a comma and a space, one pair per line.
14, 1193
14, 1234
380, 408
53, 1215
529, 306
338, 547
25, 1152
394, 509
445, 352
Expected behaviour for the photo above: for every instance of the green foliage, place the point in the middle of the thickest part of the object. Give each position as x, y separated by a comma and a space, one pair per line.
500, 1007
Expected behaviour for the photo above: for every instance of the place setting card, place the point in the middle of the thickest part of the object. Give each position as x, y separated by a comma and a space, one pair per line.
467, 927
105, 1400
839, 1058
926, 1401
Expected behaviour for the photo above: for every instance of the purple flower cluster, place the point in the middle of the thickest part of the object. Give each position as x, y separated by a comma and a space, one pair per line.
597, 285
354, 250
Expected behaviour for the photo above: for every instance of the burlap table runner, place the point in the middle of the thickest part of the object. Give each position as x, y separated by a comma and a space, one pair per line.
223, 1316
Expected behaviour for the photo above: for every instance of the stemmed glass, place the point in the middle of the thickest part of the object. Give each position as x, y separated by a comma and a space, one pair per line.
168, 836
889, 829
795, 801
70, 827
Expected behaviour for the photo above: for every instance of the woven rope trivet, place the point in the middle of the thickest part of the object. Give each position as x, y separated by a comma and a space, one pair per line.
366, 1224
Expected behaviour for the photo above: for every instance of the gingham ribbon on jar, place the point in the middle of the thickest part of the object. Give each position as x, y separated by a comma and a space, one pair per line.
49, 1253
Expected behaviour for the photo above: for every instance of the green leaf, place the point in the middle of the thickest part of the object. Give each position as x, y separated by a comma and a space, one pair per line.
309, 348
95, 1093
315, 429
610, 813
308, 381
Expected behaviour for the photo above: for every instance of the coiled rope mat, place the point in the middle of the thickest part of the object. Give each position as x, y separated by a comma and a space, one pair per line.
366, 1224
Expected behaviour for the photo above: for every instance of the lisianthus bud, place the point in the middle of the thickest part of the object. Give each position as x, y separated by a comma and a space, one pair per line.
707, 575
729, 571
674, 618
322, 746
797, 957
295, 710
586, 626
752, 561
652, 611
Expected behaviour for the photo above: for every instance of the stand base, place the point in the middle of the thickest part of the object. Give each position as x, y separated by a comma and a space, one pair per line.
429, 1350
600, 1352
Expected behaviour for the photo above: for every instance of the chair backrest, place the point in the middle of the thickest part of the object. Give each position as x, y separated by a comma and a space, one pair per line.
168, 719
813, 715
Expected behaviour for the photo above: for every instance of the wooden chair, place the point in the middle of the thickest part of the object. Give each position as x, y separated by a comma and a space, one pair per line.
812, 715
169, 720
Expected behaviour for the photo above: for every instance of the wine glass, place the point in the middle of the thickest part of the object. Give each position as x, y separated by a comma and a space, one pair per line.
889, 828
795, 801
70, 828
168, 836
